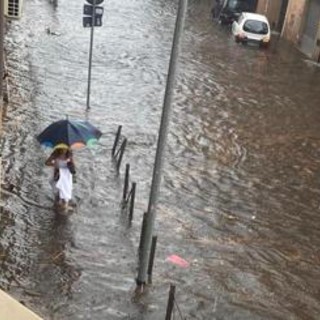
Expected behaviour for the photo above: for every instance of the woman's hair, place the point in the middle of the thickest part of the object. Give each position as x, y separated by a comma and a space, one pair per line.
62, 151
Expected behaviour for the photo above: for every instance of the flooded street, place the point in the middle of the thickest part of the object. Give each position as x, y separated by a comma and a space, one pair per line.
240, 197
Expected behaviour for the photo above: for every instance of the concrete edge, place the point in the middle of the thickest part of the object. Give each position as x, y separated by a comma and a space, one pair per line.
13, 310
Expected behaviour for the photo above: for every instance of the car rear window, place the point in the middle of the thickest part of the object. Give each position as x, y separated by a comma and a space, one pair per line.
254, 26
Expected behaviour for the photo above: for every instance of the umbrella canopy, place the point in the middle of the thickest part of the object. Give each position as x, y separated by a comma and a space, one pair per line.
74, 134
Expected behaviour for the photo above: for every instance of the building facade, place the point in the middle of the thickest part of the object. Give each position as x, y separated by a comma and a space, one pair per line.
309, 39
297, 21
275, 10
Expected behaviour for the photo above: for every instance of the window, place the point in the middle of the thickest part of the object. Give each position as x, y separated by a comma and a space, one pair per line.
257, 27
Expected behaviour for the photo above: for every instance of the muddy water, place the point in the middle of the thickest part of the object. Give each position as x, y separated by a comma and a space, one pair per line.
240, 194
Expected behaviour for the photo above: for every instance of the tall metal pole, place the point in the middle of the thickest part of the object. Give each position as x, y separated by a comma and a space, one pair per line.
90, 53
1, 51
163, 131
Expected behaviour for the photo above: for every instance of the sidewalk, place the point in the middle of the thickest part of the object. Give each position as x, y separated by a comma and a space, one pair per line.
10, 309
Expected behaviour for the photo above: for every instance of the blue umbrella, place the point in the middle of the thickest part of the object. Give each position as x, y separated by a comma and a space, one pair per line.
74, 134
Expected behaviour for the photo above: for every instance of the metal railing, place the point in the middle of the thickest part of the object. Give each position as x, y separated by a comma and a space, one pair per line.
129, 192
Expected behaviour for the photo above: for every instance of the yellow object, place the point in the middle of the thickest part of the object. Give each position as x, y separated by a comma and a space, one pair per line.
11, 309
76, 145
61, 146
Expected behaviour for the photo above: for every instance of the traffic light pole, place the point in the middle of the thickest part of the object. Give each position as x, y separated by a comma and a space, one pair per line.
90, 53
163, 131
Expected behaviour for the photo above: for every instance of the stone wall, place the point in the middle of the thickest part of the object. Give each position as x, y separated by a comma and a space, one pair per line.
294, 21
271, 9
316, 54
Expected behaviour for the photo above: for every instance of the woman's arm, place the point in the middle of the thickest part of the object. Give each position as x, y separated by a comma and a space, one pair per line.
71, 166
50, 162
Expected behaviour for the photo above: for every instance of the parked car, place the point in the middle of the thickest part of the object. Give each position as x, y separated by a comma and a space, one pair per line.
252, 27
232, 9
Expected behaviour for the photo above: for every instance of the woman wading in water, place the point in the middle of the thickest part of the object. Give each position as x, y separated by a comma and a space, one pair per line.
62, 161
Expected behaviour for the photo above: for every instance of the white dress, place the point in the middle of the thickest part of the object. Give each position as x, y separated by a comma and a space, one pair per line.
64, 184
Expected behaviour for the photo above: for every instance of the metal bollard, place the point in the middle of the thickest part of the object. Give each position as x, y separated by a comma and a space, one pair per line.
170, 304
132, 199
151, 258
116, 141
142, 235
122, 149
126, 183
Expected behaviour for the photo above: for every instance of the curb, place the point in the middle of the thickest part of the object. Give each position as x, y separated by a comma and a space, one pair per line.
13, 310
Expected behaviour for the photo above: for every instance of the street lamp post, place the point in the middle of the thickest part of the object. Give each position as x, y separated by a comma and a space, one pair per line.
163, 132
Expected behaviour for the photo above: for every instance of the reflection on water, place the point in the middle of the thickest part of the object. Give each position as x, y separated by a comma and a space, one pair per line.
240, 192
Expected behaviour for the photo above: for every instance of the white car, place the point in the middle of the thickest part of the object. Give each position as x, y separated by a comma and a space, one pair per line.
252, 27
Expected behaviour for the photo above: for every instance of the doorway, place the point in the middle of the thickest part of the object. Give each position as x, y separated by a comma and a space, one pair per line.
309, 36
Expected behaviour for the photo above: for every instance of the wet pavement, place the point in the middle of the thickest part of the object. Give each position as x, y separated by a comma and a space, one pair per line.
240, 193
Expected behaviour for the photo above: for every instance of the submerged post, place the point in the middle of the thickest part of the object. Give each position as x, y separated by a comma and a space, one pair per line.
162, 137
151, 259
126, 184
122, 149
170, 304
142, 235
116, 141
132, 200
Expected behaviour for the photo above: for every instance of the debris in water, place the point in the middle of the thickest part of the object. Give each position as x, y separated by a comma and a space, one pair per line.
178, 261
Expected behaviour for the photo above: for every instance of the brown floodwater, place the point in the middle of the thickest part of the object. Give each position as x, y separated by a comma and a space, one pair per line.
240, 198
